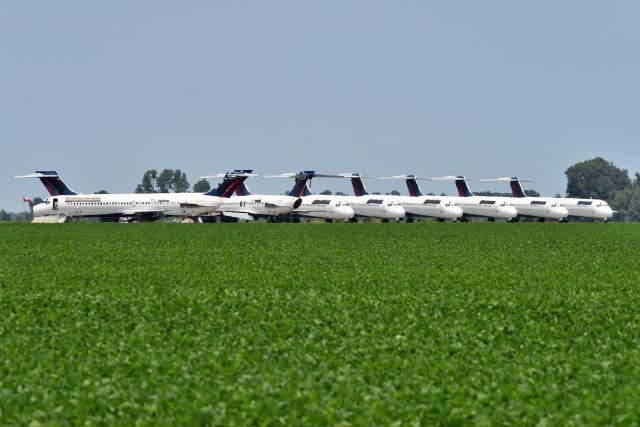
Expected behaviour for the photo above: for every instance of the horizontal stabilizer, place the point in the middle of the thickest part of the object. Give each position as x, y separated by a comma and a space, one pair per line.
505, 179
402, 177
38, 175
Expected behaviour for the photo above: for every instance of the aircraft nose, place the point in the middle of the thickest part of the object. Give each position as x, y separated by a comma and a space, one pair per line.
394, 212
563, 212
509, 212
455, 211
345, 212
607, 212
38, 210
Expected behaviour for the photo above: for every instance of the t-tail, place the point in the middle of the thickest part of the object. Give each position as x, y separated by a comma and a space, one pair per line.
358, 186
463, 187
413, 187
516, 187
231, 182
52, 182
301, 186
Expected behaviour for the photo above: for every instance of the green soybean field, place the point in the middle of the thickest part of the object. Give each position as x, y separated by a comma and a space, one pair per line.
320, 324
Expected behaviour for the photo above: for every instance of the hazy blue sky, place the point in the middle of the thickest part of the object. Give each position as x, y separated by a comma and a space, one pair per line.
102, 91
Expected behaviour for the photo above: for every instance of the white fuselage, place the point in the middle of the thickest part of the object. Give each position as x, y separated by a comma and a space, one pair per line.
430, 206
490, 207
537, 207
585, 208
106, 205
328, 207
374, 206
259, 205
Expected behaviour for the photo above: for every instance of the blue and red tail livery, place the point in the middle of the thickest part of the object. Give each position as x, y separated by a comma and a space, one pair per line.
230, 183
463, 188
242, 190
516, 187
358, 186
301, 186
413, 187
54, 185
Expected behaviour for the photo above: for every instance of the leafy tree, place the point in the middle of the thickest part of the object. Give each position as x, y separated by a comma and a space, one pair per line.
148, 182
325, 193
201, 186
627, 203
165, 181
180, 183
596, 178
4, 215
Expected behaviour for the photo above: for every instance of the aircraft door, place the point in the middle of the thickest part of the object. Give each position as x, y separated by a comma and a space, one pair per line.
55, 204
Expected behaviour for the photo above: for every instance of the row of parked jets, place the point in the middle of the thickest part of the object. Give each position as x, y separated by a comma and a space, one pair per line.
231, 199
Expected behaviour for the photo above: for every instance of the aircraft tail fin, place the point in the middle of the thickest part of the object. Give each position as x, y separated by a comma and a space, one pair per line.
463, 187
516, 187
230, 182
358, 186
242, 190
52, 182
301, 186
413, 186
514, 182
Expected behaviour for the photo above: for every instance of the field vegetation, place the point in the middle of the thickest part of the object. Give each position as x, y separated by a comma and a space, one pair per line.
331, 324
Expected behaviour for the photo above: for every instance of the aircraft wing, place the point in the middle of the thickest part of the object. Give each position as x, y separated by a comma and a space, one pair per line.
239, 215
144, 212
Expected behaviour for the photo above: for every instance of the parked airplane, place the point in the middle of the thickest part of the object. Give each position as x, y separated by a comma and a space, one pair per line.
371, 205
65, 204
489, 207
585, 208
249, 207
535, 207
418, 205
313, 205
